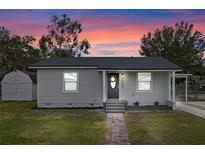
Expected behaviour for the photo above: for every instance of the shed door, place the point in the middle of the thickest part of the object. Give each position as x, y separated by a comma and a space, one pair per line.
17, 91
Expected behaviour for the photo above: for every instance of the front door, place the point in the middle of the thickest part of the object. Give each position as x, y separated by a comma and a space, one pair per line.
113, 85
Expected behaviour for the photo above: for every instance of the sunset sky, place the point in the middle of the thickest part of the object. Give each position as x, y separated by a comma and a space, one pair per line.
110, 32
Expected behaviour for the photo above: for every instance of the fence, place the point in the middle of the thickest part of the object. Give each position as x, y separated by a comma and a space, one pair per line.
195, 91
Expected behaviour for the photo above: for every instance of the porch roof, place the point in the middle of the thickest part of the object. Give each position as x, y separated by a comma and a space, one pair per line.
109, 63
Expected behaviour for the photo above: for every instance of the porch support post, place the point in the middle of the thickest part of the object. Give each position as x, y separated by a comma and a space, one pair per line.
173, 91
104, 88
186, 90
169, 85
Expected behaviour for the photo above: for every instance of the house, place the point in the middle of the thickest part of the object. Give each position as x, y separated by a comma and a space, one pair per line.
90, 81
19, 86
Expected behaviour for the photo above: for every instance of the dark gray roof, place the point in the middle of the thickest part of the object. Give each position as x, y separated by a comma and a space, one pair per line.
110, 63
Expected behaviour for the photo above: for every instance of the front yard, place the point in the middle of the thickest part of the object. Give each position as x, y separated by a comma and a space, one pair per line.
22, 123
171, 127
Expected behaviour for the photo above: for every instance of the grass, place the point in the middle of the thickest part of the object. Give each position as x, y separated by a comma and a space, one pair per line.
22, 123
172, 127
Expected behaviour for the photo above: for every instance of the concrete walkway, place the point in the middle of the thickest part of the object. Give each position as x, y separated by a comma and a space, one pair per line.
116, 132
195, 108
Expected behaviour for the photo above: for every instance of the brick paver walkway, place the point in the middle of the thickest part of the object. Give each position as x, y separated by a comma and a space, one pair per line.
116, 132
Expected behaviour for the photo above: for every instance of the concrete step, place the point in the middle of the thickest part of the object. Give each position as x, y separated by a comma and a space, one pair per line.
115, 104
115, 107
115, 111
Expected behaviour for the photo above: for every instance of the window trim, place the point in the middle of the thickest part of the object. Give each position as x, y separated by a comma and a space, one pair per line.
137, 83
63, 83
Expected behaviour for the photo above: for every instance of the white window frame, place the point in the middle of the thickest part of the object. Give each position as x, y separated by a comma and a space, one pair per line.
70, 91
137, 83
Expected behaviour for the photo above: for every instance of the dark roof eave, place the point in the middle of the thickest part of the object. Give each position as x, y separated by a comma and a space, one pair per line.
100, 69
141, 69
62, 66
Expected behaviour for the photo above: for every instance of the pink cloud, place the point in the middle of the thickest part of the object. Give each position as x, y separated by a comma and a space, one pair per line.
101, 29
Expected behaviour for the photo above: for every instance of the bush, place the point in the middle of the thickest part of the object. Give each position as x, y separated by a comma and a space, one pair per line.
136, 103
156, 103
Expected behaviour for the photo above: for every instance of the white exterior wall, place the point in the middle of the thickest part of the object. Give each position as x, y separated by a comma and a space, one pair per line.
160, 90
17, 86
50, 89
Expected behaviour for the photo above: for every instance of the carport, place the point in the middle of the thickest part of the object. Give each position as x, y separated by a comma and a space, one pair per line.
185, 76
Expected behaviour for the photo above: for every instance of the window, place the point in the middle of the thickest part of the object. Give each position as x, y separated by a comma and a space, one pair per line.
144, 81
70, 82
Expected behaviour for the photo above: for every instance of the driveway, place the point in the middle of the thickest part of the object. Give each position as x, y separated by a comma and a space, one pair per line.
195, 108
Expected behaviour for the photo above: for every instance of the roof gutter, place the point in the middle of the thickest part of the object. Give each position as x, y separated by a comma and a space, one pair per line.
95, 67
36, 67
139, 70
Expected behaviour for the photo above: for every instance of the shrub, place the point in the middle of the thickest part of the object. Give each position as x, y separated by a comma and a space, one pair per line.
156, 103
136, 103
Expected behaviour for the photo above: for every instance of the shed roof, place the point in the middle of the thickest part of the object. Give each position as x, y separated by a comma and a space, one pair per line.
32, 75
110, 63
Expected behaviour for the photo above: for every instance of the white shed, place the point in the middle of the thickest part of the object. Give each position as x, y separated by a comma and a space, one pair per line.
19, 86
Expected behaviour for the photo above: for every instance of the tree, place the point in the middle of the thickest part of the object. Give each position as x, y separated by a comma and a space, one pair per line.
179, 44
16, 52
62, 39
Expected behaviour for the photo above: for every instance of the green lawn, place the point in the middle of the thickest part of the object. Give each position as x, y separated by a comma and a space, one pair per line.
170, 127
22, 123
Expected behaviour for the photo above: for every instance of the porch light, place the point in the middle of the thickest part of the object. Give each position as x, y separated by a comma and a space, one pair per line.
122, 80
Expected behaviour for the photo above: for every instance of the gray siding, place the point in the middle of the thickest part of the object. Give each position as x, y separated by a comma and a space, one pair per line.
50, 88
160, 90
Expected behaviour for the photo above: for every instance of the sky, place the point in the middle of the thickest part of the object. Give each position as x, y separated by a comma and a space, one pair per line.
110, 32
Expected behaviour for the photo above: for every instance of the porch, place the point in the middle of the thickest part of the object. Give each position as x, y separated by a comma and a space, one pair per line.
161, 84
